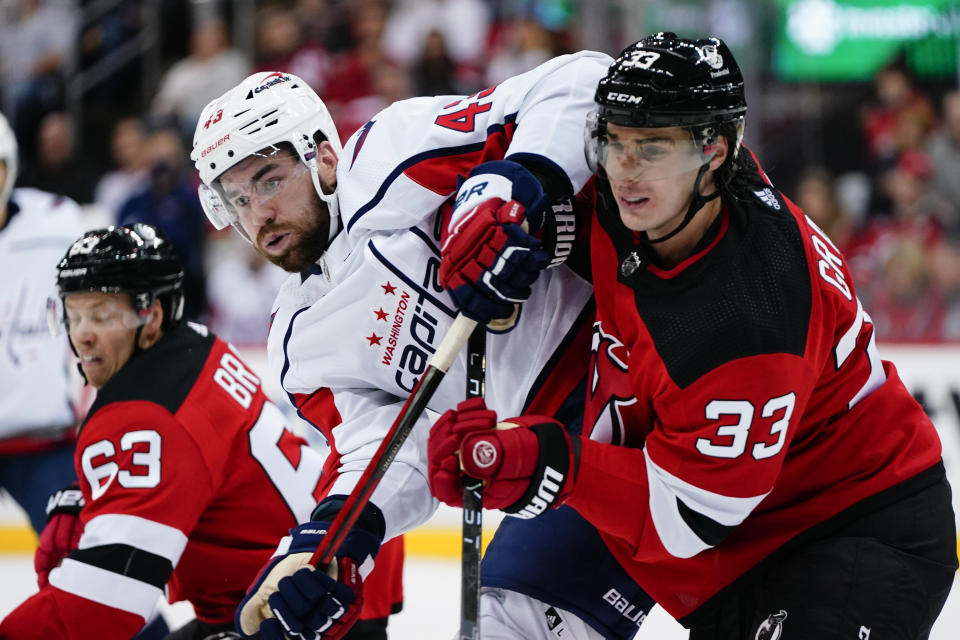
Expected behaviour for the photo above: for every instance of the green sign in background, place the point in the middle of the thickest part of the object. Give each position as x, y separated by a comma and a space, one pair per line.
832, 40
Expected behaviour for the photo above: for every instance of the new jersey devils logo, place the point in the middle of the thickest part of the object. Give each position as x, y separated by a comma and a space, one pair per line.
609, 391
772, 627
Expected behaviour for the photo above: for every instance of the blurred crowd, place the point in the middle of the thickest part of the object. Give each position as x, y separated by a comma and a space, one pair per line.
897, 220
897, 217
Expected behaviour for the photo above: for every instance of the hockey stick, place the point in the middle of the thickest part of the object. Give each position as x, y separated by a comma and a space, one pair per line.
472, 523
437, 367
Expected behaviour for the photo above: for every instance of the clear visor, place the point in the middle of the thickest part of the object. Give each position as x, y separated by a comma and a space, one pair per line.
648, 153
257, 181
100, 317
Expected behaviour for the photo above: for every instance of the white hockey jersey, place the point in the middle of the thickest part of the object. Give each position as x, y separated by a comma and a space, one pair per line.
351, 338
35, 393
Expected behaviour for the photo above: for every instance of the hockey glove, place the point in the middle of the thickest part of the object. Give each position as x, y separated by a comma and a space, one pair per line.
62, 533
488, 261
292, 599
527, 463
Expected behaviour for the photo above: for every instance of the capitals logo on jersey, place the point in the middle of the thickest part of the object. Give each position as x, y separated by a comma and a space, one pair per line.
609, 392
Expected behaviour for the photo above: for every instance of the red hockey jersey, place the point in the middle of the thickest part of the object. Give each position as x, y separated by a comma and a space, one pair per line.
190, 479
748, 394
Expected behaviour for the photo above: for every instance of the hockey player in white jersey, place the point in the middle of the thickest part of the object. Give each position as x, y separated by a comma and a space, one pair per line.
361, 228
37, 416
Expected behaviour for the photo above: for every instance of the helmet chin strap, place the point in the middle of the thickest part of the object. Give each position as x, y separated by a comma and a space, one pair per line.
696, 203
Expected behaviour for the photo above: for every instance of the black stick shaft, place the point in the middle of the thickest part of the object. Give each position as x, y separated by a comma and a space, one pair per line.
472, 524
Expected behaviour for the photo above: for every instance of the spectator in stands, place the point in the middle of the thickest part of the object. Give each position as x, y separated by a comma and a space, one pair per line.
915, 215
524, 44
353, 74
132, 167
945, 271
58, 168
36, 40
898, 117
944, 151
236, 266
317, 19
211, 68
389, 84
169, 201
906, 305
465, 25
816, 195
914, 201
281, 47
433, 72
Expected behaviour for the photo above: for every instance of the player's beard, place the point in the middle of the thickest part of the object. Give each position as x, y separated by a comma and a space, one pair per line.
310, 238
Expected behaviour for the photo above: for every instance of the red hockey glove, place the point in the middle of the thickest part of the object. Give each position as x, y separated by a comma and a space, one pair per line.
527, 463
62, 533
488, 261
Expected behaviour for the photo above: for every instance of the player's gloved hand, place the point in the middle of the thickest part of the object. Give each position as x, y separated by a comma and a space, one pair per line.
62, 533
488, 261
527, 463
292, 599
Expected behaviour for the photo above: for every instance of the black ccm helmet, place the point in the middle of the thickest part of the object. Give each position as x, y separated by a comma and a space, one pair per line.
665, 81
134, 259
668, 81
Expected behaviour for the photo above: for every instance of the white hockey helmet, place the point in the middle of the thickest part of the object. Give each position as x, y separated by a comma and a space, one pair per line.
265, 109
8, 153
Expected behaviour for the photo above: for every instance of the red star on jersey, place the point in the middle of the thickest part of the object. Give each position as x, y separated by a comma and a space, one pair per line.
373, 339
381, 314
388, 289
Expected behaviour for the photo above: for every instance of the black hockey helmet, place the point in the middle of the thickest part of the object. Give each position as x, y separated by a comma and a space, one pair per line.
665, 81
134, 259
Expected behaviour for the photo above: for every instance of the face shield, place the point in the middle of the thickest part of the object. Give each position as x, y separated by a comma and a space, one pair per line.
103, 316
647, 154
256, 182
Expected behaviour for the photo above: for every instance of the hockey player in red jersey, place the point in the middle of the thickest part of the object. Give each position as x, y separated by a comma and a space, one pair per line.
188, 473
751, 460
361, 229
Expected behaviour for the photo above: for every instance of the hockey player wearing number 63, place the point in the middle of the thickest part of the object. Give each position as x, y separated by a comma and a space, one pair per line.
187, 470
747, 455
362, 230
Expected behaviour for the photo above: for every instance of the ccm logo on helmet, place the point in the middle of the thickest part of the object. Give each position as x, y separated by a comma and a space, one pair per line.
624, 97
213, 146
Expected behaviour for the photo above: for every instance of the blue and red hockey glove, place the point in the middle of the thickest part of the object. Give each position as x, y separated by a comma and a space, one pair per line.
527, 463
488, 261
292, 599
62, 533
